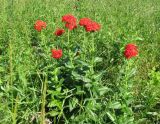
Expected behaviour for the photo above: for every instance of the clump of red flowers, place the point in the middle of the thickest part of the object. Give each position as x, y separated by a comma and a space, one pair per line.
39, 25
70, 20
56, 53
84, 21
92, 27
89, 25
70, 23
131, 50
70, 26
59, 32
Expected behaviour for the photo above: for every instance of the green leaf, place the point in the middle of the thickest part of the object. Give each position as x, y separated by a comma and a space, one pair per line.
79, 90
87, 80
111, 116
88, 85
138, 38
115, 105
55, 103
2, 88
152, 113
53, 113
2, 69
80, 77
73, 103
1, 81
98, 59
142, 121
76, 75
104, 90
69, 65
59, 89
83, 63
98, 76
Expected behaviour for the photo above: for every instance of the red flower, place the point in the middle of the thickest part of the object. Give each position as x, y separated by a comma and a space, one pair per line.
84, 21
57, 54
92, 26
59, 32
69, 18
39, 25
70, 26
131, 50
70, 21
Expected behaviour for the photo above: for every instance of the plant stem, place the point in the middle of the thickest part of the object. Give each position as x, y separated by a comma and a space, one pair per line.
92, 54
15, 111
43, 100
68, 36
10, 65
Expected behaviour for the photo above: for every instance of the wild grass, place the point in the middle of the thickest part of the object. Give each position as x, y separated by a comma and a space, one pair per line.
99, 86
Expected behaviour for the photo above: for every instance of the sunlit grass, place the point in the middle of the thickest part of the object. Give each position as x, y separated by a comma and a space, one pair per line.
92, 83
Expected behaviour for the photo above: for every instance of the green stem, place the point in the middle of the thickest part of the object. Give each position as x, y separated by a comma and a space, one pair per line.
69, 51
10, 64
68, 36
55, 120
92, 53
10, 83
43, 100
84, 45
15, 111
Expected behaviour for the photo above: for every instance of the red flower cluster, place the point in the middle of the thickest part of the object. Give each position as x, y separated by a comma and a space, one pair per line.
68, 18
84, 21
59, 32
93, 26
131, 50
70, 26
39, 25
70, 21
89, 25
57, 54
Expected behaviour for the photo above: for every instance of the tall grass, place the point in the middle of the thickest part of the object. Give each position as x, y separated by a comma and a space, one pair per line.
100, 86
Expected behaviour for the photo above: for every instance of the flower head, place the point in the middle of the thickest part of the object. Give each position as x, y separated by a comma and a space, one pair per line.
68, 18
57, 54
92, 27
59, 32
131, 50
39, 25
70, 26
84, 21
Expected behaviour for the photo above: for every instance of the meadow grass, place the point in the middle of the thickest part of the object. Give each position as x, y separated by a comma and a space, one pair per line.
98, 87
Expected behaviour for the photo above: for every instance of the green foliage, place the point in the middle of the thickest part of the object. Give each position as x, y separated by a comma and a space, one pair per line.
92, 83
